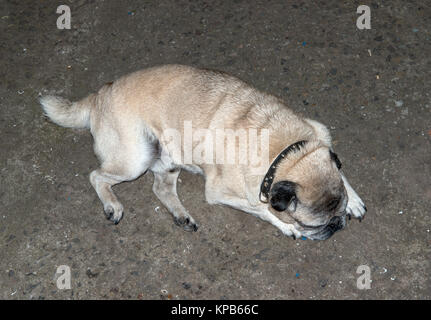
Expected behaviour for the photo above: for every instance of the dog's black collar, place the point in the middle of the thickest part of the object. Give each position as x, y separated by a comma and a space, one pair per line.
269, 177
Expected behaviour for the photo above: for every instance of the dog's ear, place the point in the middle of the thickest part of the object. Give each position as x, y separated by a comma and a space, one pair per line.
334, 158
283, 196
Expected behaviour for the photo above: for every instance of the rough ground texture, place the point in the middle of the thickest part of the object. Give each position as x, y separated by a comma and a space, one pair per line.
370, 87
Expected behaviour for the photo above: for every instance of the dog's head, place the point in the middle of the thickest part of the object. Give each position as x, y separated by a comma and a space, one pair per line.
309, 193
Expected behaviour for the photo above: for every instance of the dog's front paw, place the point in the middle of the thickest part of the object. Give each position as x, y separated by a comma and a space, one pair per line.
355, 207
290, 231
114, 213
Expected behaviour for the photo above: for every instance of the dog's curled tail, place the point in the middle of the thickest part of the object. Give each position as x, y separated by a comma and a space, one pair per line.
66, 113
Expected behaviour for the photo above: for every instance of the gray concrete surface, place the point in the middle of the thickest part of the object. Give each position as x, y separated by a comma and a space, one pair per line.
371, 87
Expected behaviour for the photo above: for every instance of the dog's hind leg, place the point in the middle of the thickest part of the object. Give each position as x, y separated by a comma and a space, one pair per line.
165, 188
120, 162
102, 181
108, 175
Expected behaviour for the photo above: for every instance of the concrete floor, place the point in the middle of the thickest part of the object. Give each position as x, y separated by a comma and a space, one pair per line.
370, 87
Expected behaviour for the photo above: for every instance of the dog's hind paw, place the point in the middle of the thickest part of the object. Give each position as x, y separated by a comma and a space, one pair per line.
112, 214
187, 223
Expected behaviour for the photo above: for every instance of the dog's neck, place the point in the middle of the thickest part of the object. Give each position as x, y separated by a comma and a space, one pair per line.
265, 185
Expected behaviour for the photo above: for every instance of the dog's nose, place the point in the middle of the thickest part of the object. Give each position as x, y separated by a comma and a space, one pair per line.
335, 224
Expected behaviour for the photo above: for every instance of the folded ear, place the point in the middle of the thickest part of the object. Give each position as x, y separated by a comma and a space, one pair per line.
334, 158
283, 196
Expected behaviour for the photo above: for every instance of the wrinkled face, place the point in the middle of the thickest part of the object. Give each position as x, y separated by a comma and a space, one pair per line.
311, 195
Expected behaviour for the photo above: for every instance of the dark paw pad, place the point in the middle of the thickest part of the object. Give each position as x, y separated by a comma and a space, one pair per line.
191, 227
110, 215
186, 224
181, 221
109, 212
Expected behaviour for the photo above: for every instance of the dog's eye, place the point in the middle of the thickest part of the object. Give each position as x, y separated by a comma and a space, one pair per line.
333, 204
334, 158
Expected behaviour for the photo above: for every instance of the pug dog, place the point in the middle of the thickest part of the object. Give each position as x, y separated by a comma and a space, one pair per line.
301, 191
